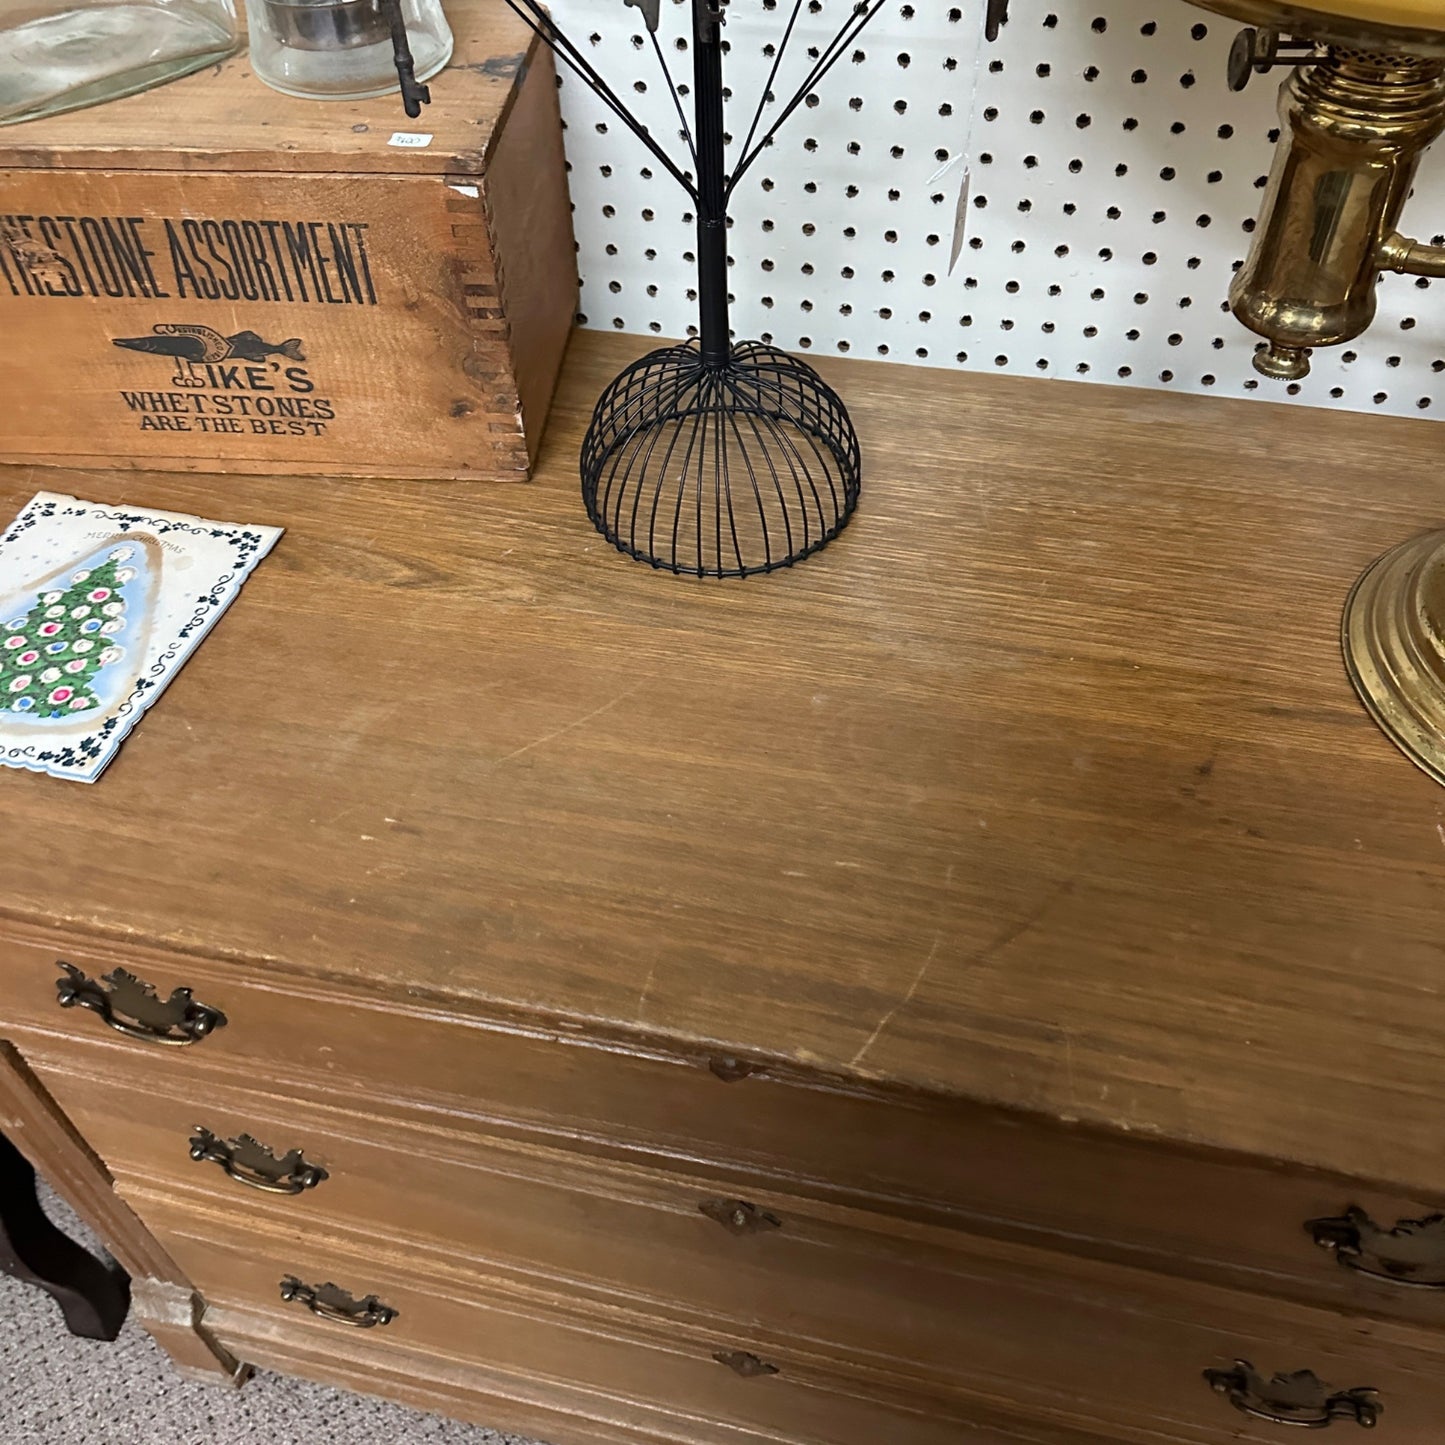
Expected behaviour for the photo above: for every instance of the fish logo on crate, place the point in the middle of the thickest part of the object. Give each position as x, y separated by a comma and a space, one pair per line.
238, 384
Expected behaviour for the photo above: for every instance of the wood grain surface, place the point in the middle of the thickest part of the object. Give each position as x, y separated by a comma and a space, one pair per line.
366, 322
1054, 1342
1043, 785
160, 1295
225, 119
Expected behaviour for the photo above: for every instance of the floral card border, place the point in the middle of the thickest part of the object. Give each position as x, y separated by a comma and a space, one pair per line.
85, 759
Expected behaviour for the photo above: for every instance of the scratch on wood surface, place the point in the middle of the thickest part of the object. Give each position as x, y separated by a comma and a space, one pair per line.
1017, 930
336, 818
1009, 935
1440, 829
566, 727
901, 1004
646, 989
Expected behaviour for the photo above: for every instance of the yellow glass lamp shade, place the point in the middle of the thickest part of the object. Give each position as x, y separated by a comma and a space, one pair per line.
1427, 14
1411, 25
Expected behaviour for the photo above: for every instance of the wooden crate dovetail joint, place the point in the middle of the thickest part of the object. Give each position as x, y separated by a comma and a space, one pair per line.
214, 277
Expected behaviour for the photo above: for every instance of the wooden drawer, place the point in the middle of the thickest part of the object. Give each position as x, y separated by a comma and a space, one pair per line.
448, 1314
1078, 1348
878, 1291
569, 1412
1200, 1215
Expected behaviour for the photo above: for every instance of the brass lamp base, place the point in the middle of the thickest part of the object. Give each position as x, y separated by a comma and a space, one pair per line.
1394, 642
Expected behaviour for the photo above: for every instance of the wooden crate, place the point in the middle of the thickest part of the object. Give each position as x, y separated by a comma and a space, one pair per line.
212, 276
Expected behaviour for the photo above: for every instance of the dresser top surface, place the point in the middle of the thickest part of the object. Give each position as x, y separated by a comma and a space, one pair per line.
1043, 785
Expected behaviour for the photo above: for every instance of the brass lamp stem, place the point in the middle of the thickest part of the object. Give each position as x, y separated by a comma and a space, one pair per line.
1354, 127
1355, 122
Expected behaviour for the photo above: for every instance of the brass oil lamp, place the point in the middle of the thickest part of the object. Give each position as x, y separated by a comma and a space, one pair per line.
1363, 101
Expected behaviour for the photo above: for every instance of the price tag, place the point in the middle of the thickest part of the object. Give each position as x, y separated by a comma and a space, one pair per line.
410, 140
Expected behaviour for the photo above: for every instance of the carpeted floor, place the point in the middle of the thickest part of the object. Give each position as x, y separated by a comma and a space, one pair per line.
58, 1390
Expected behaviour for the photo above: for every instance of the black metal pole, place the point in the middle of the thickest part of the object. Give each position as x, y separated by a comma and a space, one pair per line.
712, 221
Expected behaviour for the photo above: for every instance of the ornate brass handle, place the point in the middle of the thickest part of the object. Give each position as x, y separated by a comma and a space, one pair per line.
1300, 1398
1411, 1253
330, 1302
249, 1162
131, 1007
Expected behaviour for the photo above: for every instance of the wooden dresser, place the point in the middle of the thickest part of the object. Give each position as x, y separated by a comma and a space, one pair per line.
960, 991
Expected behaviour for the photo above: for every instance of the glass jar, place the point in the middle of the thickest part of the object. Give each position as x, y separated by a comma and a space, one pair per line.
341, 49
62, 54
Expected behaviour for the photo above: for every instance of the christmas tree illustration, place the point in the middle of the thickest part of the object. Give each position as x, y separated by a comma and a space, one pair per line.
51, 657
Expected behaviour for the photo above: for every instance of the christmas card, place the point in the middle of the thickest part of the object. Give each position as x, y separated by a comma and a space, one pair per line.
99, 608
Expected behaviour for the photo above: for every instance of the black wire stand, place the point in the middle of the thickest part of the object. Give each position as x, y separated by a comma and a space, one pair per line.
712, 458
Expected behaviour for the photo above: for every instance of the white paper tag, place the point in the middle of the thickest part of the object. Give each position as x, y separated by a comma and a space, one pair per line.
410, 140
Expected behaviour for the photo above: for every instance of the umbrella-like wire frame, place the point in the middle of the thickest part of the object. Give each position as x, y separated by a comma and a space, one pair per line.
720, 470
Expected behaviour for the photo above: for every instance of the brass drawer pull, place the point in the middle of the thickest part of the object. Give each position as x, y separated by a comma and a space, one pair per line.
131, 1007
737, 1216
745, 1363
249, 1162
1412, 1253
329, 1302
1297, 1399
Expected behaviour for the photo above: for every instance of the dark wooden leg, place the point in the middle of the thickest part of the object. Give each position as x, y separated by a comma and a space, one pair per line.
93, 1297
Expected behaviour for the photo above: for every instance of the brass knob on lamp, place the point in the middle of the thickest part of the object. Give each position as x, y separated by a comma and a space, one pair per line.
1257, 50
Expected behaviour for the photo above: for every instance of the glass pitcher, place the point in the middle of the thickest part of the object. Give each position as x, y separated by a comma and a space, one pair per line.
61, 54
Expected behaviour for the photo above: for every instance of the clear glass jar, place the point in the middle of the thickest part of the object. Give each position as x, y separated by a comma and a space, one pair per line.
341, 49
64, 54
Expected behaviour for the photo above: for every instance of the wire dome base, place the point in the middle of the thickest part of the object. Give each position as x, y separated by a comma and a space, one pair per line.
722, 470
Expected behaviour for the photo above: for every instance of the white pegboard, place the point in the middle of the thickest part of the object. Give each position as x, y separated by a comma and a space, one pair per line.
1109, 181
